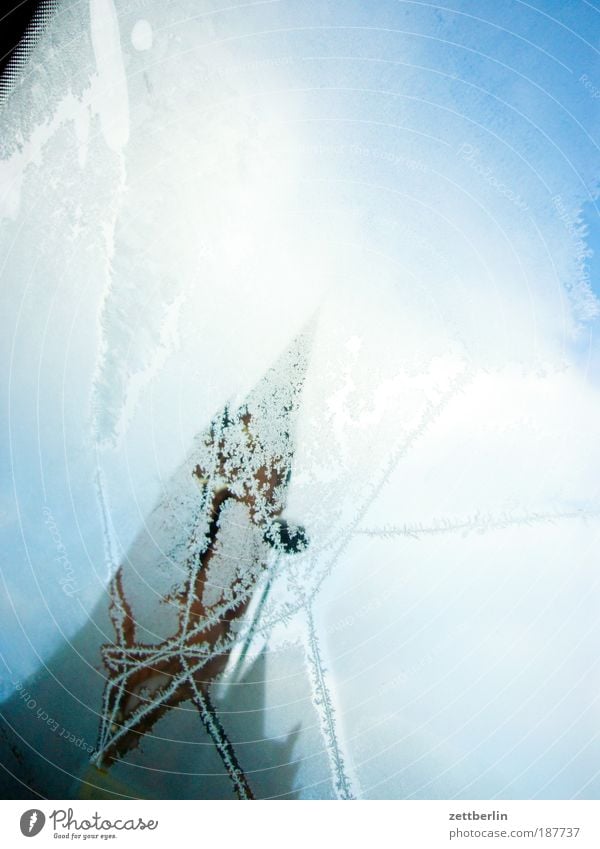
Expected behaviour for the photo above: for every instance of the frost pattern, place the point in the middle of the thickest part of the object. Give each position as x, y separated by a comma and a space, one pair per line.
241, 469
323, 703
433, 410
479, 523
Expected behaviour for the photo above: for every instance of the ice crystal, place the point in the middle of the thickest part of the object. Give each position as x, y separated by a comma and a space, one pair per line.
241, 468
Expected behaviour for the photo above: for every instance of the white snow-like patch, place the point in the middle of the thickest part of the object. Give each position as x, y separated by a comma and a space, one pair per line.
142, 36
110, 91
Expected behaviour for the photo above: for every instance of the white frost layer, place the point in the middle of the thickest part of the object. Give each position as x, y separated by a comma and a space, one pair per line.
111, 98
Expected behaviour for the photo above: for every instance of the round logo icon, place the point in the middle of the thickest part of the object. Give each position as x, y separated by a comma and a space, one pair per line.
32, 822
